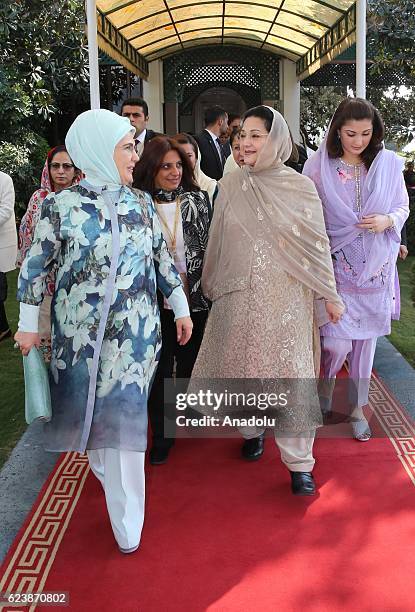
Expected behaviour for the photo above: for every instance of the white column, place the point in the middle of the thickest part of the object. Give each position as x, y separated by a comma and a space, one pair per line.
154, 96
361, 48
91, 16
290, 97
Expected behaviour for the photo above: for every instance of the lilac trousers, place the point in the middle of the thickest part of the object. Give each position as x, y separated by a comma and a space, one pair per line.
359, 355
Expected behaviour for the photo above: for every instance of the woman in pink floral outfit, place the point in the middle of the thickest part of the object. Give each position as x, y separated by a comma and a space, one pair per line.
58, 173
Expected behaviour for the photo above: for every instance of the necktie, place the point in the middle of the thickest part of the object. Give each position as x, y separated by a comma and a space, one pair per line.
221, 153
139, 146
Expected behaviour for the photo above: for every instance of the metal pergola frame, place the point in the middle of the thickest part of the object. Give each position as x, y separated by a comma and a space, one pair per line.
111, 41
349, 28
340, 34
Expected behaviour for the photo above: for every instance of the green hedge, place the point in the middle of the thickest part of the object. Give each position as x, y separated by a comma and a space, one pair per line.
24, 160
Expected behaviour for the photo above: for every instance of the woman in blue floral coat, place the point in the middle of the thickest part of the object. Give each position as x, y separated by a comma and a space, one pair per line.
111, 258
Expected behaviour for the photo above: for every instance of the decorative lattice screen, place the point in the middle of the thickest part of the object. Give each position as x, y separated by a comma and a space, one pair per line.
252, 73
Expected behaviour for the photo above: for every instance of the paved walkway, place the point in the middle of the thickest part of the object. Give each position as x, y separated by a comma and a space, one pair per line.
29, 465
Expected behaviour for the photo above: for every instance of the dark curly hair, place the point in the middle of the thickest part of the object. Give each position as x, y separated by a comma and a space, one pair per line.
147, 168
235, 134
356, 109
185, 138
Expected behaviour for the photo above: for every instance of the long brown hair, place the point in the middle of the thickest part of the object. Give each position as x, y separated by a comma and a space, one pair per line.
151, 160
356, 109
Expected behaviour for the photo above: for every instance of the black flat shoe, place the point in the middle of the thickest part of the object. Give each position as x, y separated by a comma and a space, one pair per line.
159, 455
302, 483
253, 449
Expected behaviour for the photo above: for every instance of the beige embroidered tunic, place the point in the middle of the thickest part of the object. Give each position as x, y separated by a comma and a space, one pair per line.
265, 332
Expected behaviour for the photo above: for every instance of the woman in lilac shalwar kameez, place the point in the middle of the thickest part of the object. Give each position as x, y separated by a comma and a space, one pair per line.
365, 205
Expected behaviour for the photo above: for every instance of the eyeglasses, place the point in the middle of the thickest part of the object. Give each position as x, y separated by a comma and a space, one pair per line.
253, 136
135, 115
66, 167
177, 165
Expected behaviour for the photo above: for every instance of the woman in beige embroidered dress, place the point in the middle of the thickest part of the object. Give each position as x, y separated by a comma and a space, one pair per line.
268, 272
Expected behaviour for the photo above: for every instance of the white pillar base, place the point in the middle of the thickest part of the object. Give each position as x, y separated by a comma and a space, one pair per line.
154, 96
290, 96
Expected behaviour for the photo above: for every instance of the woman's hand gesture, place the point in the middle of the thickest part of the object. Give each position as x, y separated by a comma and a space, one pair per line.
375, 223
184, 327
26, 340
334, 311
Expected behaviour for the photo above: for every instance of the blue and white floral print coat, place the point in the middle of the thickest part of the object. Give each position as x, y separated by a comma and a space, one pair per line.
111, 257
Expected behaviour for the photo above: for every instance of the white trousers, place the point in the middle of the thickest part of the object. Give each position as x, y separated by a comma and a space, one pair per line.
296, 450
121, 473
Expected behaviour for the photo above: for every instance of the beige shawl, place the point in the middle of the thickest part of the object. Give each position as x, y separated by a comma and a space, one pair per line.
287, 205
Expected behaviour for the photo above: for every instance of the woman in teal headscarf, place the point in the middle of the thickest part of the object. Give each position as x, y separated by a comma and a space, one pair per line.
111, 258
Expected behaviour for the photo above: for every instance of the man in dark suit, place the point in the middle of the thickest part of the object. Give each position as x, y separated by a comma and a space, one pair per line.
136, 110
213, 155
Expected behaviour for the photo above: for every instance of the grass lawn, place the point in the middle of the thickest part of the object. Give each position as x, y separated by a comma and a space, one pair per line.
12, 422
403, 331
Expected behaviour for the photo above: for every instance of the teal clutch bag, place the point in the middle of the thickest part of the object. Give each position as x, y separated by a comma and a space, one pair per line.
37, 392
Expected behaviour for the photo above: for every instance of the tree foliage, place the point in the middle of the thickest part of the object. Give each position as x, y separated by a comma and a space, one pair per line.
391, 25
44, 83
317, 107
391, 44
42, 58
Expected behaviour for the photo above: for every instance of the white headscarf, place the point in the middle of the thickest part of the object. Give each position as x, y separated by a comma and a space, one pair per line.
91, 141
271, 196
230, 165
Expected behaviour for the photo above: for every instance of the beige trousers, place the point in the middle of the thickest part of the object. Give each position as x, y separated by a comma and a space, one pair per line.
296, 449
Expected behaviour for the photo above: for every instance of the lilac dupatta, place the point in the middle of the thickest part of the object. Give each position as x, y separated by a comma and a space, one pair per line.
383, 193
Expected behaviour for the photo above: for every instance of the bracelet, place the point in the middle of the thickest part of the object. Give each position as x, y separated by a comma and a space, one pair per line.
392, 222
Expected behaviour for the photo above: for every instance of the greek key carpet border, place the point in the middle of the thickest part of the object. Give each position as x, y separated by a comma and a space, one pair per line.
395, 423
35, 553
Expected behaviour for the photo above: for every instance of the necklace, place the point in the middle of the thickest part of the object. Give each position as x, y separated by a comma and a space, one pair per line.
172, 235
349, 165
357, 175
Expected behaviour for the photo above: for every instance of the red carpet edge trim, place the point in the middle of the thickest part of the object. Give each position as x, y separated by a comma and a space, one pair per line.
395, 423
33, 557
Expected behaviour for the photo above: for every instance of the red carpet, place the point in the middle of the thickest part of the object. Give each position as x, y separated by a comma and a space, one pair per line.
224, 535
